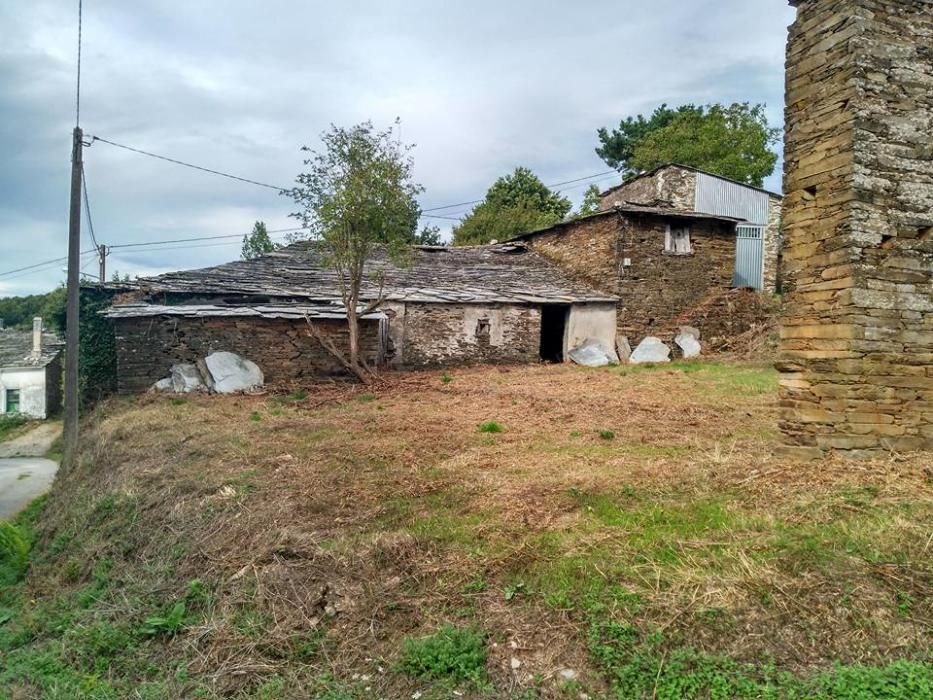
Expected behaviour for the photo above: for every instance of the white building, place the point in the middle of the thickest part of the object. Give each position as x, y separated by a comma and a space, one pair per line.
30, 371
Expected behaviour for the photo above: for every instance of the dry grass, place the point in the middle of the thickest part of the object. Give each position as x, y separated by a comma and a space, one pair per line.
334, 524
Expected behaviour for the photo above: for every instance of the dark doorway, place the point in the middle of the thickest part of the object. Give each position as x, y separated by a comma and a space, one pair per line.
553, 324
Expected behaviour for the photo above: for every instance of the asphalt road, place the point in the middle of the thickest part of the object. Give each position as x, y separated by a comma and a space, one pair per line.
25, 474
21, 480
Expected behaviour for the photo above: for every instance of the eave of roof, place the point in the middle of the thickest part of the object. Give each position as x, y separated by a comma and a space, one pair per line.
658, 169
273, 311
626, 208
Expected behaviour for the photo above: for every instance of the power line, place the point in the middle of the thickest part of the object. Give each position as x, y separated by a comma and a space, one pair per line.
87, 208
190, 165
38, 267
202, 238
189, 247
550, 187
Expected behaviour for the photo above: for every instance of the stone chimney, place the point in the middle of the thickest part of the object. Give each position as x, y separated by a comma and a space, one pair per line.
36, 337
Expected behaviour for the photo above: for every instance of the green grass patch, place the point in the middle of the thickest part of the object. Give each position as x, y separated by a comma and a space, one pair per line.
491, 426
453, 654
10, 424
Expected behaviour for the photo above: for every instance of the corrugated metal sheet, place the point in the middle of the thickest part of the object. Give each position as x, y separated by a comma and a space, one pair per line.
749, 257
724, 198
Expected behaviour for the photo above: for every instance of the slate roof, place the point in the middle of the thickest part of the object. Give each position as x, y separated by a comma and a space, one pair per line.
509, 273
663, 212
651, 173
16, 349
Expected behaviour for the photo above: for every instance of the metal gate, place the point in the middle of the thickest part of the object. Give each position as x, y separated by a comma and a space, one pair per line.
749, 256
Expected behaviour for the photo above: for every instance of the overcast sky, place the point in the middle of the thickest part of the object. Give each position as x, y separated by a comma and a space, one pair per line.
240, 85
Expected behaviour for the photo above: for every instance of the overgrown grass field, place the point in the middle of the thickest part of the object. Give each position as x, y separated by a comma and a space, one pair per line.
533, 532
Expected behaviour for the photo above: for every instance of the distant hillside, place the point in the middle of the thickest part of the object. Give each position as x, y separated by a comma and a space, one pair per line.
18, 312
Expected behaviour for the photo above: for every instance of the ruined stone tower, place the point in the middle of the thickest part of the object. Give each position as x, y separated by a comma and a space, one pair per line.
857, 338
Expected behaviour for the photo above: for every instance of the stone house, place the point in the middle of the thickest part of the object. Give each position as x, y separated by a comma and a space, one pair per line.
684, 188
30, 371
668, 266
498, 304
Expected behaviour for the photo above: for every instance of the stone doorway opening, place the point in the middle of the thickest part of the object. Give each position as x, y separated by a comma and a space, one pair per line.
553, 331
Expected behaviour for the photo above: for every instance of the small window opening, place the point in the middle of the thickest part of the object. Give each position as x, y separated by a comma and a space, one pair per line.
12, 401
809, 192
482, 331
677, 240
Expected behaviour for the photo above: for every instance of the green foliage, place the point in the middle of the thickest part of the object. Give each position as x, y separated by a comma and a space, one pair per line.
10, 422
257, 242
639, 665
514, 204
446, 378
18, 312
169, 623
734, 141
452, 653
590, 203
491, 426
358, 195
429, 235
14, 553
606, 435
255, 416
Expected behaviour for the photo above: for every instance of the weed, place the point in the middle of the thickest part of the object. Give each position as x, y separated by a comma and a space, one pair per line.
606, 435
452, 653
476, 585
446, 379
366, 398
169, 623
255, 416
491, 426
510, 592
14, 553
179, 400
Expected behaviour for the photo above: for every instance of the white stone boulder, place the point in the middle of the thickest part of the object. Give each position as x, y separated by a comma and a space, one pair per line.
650, 350
231, 373
185, 379
163, 385
690, 330
592, 353
688, 344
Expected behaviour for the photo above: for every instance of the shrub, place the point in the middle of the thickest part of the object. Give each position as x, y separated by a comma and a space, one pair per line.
606, 435
446, 379
452, 653
491, 426
14, 553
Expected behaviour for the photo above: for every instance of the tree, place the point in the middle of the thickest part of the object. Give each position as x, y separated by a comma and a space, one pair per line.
514, 204
590, 203
429, 235
358, 195
257, 242
733, 141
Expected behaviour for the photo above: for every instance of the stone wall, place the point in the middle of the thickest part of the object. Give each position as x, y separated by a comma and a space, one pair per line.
450, 334
673, 186
148, 347
857, 338
657, 291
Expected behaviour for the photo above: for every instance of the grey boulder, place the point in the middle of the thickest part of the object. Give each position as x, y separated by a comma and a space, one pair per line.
231, 373
592, 353
690, 330
186, 378
650, 350
688, 344
163, 385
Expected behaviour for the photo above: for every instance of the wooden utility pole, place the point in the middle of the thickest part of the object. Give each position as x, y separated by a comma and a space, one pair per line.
102, 255
73, 309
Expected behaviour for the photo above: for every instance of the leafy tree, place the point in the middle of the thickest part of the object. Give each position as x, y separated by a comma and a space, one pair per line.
429, 235
514, 204
18, 312
357, 195
733, 141
257, 242
590, 203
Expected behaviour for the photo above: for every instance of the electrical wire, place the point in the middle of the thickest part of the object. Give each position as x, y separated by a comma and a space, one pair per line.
87, 209
190, 165
203, 238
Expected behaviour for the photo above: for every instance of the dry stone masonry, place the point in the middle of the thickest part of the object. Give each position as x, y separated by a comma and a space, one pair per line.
857, 338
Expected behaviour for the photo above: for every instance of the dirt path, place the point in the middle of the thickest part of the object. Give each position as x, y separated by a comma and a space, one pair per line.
35, 443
